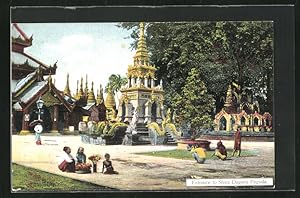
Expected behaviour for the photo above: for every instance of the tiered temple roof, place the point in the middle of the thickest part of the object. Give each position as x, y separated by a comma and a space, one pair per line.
22, 63
141, 67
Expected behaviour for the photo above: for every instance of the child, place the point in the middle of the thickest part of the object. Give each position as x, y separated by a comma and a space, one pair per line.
107, 164
81, 158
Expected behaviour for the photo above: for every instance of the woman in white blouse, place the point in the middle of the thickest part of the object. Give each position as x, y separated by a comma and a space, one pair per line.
66, 161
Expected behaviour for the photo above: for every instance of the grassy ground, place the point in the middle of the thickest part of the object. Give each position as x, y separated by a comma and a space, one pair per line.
184, 154
29, 179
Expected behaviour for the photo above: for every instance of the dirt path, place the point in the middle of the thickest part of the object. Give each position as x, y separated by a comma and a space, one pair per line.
139, 172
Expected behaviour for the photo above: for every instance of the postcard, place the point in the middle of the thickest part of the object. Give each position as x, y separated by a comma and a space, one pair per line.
117, 106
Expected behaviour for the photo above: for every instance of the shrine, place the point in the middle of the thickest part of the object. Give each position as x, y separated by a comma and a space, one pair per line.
242, 109
141, 93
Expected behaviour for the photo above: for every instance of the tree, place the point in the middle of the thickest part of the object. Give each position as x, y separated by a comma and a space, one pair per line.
115, 82
223, 51
193, 104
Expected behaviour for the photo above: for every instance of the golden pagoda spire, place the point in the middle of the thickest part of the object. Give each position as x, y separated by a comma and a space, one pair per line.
86, 89
67, 88
100, 95
91, 96
97, 99
141, 67
80, 93
141, 56
228, 100
110, 102
77, 88
229, 105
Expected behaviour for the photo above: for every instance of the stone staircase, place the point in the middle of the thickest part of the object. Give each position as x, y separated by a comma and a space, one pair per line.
142, 136
171, 139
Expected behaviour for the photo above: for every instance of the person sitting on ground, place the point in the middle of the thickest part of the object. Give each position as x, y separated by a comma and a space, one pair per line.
220, 151
66, 161
198, 153
237, 142
107, 165
81, 158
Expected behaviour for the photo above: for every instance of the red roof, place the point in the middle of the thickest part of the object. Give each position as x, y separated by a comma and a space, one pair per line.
25, 37
19, 39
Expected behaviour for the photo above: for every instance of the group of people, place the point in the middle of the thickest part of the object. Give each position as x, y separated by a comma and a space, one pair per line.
67, 161
220, 151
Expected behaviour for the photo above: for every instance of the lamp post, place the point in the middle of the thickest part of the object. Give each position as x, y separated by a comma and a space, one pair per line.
38, 128
39, 104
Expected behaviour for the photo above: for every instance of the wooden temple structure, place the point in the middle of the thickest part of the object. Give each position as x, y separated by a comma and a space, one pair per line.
32, 80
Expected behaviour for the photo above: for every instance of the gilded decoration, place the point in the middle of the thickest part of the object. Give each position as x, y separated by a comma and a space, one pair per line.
124, 98
50, 100
141, 71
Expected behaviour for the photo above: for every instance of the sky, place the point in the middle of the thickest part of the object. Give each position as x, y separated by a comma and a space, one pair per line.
95, 49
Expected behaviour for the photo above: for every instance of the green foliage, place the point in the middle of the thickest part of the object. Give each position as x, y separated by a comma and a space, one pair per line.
29, 179
222, 51
115, 82
194, 105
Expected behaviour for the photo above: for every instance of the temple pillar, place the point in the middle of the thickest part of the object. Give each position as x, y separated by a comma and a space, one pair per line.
138, 81
55, 119
152, 83
25, 123
146, 82
228, 124
132, 81
128, 115
66, 124
148, 111
158, 114
129, 82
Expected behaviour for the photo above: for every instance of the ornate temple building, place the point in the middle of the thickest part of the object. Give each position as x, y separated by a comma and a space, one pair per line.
141, 93
85, 98
241, 109
29, 84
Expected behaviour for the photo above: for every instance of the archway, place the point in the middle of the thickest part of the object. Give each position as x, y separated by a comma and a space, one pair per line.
243, 121
255, 121
232, 122
267, 122
153, 111
222, 124
143, 110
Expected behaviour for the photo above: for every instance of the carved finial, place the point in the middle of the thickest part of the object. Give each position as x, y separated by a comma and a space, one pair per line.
142, 27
